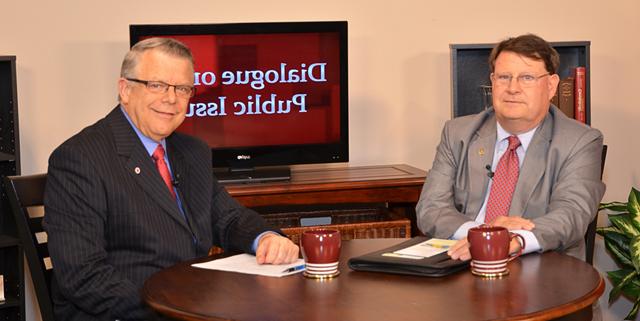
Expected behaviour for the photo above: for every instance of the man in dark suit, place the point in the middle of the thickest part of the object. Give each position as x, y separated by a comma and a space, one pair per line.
127, 197
552, 188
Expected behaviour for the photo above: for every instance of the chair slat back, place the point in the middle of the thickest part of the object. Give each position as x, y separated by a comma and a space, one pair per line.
26, 195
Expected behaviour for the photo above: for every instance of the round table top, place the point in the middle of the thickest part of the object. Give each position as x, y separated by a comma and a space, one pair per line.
539, 287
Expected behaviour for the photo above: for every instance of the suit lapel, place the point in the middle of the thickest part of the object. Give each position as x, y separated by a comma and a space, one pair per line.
480, 155
533, 167
180, 171
139, 165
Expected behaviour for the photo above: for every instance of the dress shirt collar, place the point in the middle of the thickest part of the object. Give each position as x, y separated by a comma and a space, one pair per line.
149, 144
525, 138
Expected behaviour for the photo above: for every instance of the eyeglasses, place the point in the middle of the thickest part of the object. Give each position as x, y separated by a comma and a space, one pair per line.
525, 80
159, 87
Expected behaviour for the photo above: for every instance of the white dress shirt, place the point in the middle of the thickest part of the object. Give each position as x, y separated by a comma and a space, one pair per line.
502, 143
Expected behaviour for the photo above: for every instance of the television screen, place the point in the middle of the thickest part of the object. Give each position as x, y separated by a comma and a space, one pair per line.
266, 93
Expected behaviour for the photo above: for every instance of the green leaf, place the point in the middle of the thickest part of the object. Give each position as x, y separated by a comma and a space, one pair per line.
607, 229
613, 206
632, 290
618, 245
618, 275
634, 311
615, 292
634, 251
619, 256
633, 206
626, 223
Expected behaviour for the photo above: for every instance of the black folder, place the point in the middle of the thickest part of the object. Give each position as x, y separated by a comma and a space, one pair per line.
435, 266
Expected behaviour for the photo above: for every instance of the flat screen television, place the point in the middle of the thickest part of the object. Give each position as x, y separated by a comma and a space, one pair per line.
268, 95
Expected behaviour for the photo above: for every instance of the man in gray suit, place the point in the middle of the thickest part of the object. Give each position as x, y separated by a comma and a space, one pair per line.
127, 197
556, 177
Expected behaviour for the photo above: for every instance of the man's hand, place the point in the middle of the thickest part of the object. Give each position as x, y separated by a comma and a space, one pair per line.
513, 223
460, 250
514, 246
276, 249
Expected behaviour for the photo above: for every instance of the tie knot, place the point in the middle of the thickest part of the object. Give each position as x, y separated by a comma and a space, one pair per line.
514, 142
158, 153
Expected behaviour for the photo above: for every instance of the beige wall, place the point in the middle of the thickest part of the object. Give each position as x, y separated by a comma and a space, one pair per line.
68, 55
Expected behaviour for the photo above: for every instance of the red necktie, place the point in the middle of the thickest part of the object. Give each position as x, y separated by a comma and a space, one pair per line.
158, 156
504, 182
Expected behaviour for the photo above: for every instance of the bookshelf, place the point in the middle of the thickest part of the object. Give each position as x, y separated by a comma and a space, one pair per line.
470, 71
11, 255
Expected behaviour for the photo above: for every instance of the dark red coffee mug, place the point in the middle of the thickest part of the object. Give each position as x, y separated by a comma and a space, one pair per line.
489, 248
321, 246
321, 252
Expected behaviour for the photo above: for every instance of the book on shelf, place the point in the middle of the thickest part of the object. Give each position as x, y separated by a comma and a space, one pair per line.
1, 288
566, 96
580, 98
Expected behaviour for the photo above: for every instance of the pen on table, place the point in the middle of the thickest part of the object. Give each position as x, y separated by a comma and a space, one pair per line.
294, 268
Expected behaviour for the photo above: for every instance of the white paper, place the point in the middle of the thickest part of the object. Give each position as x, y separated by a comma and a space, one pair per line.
246, 263
427, 248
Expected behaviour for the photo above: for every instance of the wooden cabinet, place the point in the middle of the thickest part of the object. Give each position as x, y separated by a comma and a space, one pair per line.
11, 255
362, 202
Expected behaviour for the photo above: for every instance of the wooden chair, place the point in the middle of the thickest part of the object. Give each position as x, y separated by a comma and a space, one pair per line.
26, 195
590, 236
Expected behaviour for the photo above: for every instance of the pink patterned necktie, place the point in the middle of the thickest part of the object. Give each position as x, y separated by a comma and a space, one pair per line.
158, 156
504, 182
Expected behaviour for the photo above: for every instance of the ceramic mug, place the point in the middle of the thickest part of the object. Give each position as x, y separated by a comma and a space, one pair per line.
321, 252
489, 247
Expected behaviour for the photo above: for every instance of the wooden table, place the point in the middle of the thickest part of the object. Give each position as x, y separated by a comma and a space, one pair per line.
539, 287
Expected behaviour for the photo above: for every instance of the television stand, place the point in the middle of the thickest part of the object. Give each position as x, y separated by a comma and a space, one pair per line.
252, 175
360, 201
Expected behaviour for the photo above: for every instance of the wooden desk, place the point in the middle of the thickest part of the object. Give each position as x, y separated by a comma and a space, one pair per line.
394, 187
539, 287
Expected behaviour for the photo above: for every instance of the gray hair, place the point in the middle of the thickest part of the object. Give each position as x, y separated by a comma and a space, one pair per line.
166, 45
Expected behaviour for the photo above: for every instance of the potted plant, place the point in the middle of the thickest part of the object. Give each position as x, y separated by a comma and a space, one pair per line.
622, 240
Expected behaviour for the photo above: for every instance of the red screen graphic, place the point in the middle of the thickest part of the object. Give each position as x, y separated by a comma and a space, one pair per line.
265, 89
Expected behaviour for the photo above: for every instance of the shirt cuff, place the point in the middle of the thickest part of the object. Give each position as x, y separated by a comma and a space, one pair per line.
531, 242
254, 246
461, 232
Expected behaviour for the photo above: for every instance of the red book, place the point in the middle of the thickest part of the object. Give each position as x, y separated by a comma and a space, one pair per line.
580, 94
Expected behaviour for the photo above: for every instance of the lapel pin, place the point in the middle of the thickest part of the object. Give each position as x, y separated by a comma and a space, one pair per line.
137, 170
481, 152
